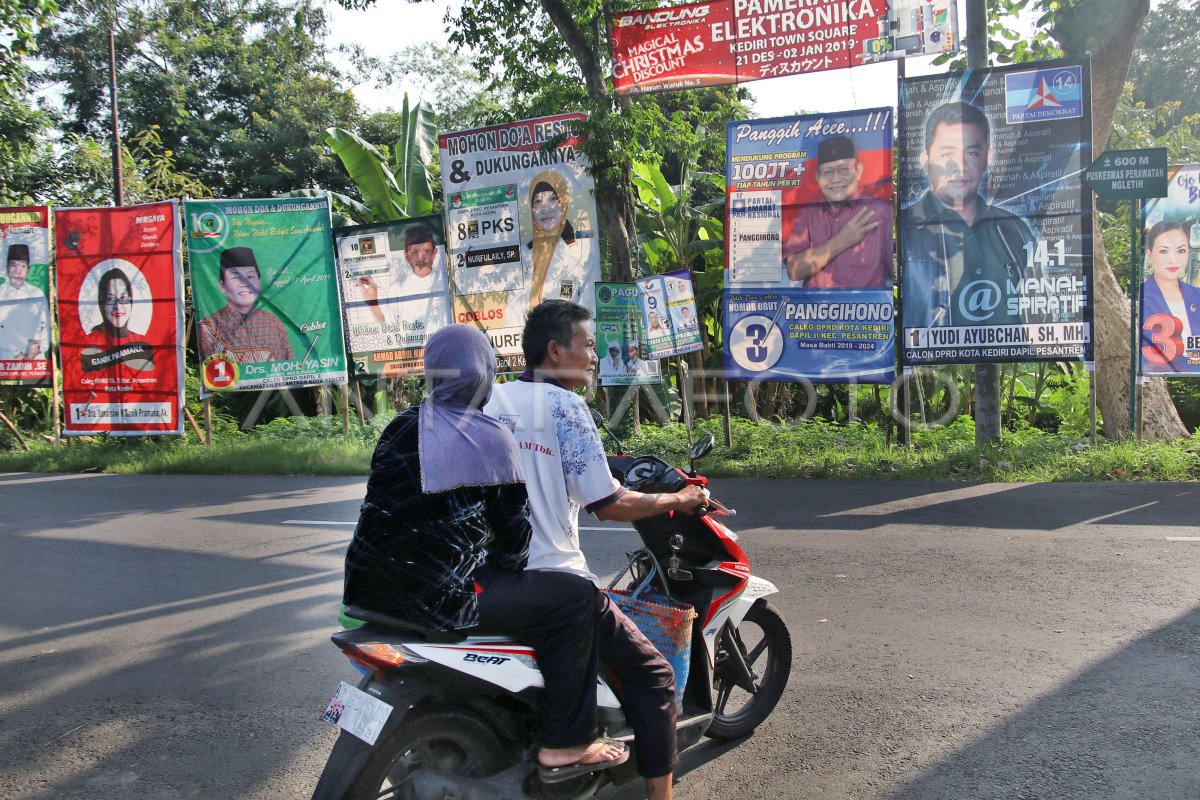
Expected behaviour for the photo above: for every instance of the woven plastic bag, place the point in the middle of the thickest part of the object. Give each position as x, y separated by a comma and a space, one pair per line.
667, 623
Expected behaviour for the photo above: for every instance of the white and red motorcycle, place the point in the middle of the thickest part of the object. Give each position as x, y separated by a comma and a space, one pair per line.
437, 715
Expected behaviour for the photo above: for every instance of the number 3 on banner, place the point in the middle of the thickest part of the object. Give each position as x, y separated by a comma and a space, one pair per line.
756, 343
1166, 343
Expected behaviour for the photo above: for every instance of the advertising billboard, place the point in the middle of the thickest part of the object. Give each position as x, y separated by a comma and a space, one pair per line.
995, 222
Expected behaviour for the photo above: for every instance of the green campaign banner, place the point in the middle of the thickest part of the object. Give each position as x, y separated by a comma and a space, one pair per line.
266, 299
620, 337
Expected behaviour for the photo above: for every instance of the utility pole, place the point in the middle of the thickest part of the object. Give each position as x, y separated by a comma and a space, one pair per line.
118, 183
987, 376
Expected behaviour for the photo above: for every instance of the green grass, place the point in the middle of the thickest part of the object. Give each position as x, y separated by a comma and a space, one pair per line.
817, 449
812, 449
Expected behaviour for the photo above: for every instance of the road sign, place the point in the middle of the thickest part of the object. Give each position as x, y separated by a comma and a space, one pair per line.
1129, 174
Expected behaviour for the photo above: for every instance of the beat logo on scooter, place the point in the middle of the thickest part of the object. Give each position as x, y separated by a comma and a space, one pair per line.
478, 659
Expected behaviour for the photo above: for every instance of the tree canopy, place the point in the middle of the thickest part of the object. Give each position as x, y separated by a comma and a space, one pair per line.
241, 93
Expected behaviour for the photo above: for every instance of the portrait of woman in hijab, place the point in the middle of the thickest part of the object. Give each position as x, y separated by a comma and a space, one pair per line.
110, 343
560, 253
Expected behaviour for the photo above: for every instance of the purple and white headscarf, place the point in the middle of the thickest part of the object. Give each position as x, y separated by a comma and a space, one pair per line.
459, 444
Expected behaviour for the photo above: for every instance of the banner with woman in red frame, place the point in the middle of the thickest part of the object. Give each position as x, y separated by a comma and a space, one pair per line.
120, 313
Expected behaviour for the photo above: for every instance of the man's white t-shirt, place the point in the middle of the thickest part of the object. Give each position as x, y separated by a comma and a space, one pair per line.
564, 465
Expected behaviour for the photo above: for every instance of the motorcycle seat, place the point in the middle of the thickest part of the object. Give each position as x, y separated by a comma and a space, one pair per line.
404, 627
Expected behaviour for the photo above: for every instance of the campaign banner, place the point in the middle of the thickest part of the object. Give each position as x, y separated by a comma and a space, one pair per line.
520, 225
995, 222
120, 319
25, 322
809, 253
397, 293
620, 337
267, 310
734, 41
1170, 290
668, 315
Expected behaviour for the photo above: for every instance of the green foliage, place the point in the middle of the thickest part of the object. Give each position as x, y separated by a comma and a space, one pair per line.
1137, 125
1165, 68
369, 171
820, 449
674, 232
22, 147
453, 89
813, 449
391, 191
1009, 46
20, 21
241, 92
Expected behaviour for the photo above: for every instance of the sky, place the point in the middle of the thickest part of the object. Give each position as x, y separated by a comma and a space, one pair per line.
390, 25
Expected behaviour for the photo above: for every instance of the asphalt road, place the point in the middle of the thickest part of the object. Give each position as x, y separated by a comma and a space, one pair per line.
166, 637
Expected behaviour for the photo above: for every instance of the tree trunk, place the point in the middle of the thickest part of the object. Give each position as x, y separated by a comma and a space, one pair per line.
1108, 29
615, 211
613, 203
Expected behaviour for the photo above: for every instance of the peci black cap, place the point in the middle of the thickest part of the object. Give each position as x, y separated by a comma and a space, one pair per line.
238, 257
17, 252
835, 148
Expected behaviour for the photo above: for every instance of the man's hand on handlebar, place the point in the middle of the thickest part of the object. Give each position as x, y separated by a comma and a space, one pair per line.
693, 498
633, 505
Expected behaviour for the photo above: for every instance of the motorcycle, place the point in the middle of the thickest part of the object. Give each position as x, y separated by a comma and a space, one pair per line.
439, 715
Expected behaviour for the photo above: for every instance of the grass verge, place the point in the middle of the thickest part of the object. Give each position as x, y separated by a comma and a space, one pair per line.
812, 449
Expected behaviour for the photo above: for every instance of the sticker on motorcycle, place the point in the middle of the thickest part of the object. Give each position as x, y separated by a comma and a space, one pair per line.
357, 713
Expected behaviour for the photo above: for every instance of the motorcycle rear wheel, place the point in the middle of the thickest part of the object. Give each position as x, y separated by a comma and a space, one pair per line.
449, 740
762, 640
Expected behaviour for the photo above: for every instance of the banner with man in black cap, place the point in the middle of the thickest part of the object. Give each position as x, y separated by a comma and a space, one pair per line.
268, 312
24, 289
809, 253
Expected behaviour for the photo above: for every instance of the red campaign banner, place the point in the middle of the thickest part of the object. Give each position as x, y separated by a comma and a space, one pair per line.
25, 321
120, 313
734, 41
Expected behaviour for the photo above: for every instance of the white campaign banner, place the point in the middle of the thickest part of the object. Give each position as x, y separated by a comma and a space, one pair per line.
521, 225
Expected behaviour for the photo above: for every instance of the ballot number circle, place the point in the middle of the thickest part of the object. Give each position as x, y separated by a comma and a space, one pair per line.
756, 343
219, 372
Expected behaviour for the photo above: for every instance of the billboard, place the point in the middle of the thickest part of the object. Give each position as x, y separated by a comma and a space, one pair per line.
521, 225
809, 254
120, 319
266, 300
734, 41
397, 293
620, 337
1170, 290
668, 315
995, 222
25, 323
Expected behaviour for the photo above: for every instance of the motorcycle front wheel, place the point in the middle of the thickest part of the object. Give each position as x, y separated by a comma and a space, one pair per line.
754, 660
449, 741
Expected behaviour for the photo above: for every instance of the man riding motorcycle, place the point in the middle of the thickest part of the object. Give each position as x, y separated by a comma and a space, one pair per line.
443, 538
564, 465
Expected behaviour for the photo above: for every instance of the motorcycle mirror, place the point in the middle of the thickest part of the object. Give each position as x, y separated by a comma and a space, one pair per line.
702, 447
602, 425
